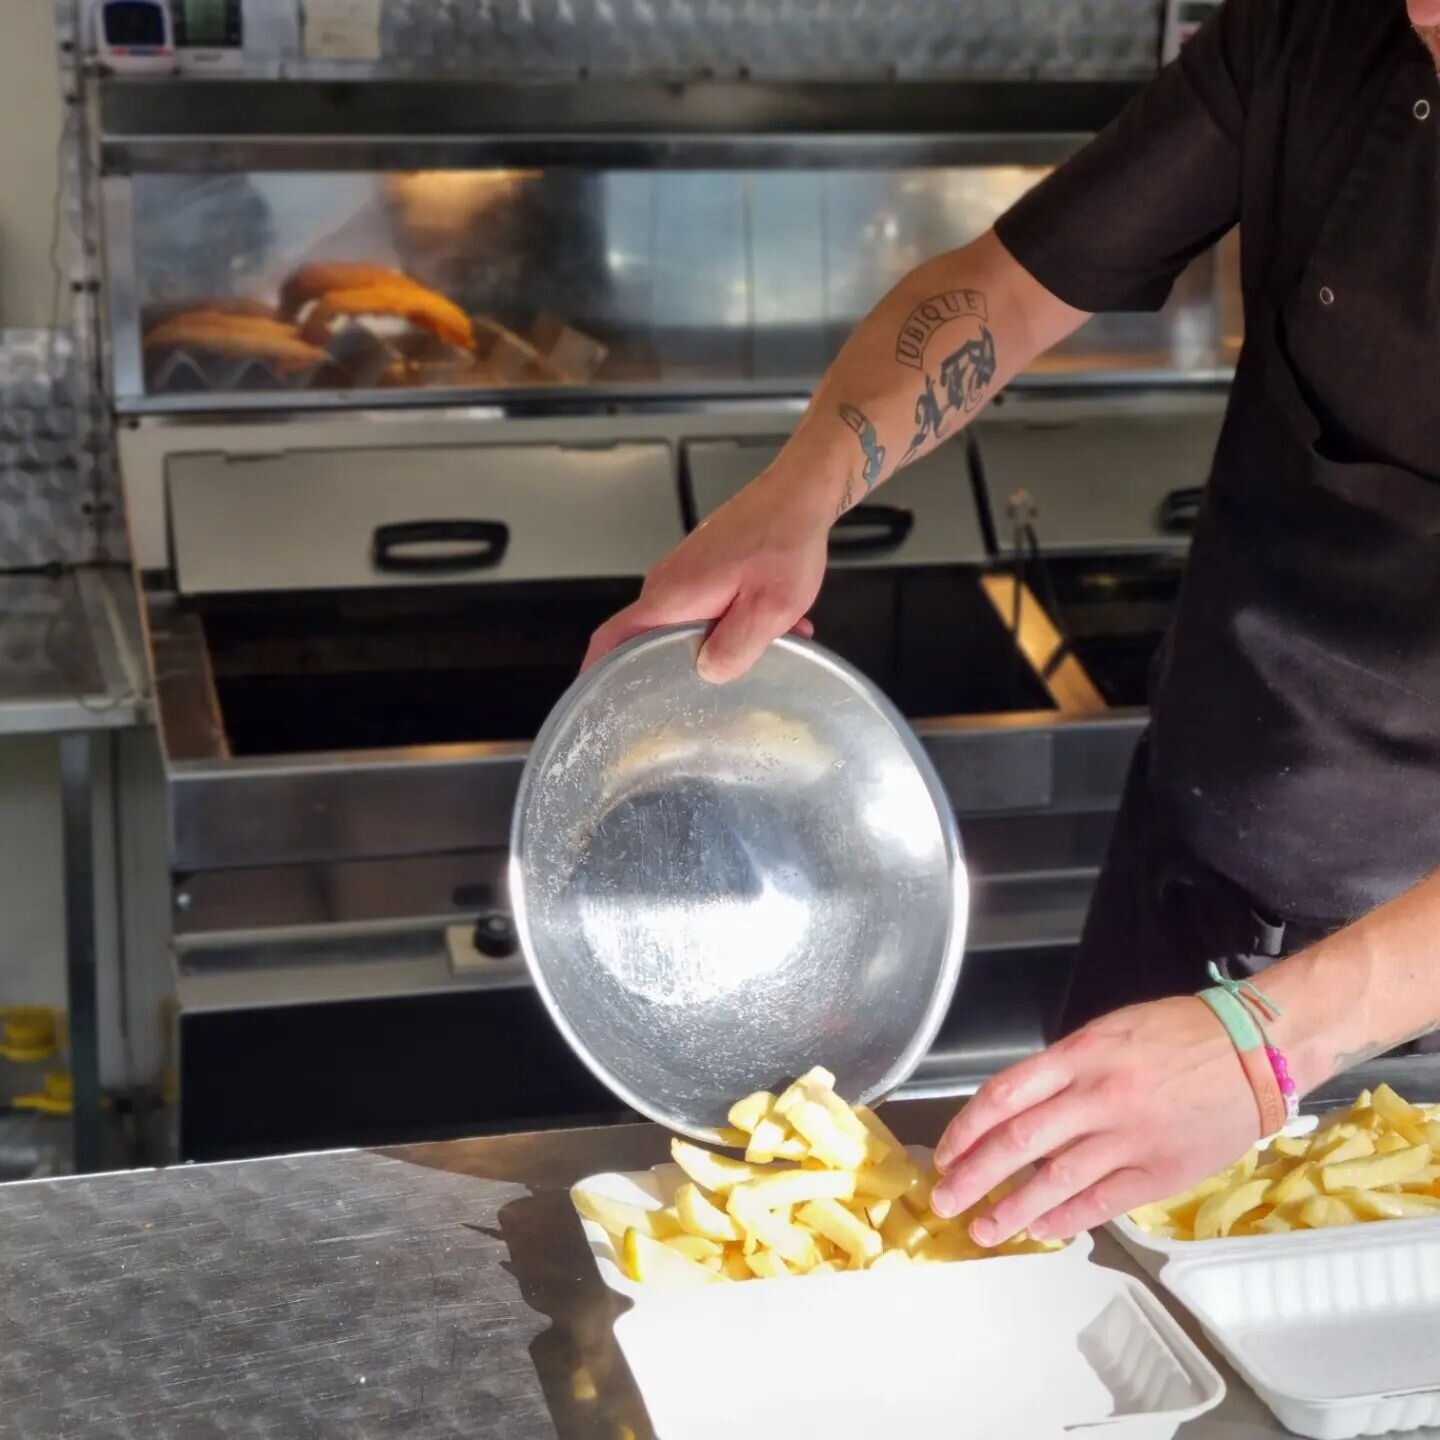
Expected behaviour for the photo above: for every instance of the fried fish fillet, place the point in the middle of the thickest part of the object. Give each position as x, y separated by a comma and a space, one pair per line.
310, 282
348, 289
240, 336
421, 308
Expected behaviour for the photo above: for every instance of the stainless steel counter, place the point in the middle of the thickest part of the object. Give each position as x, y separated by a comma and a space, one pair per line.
435, 1291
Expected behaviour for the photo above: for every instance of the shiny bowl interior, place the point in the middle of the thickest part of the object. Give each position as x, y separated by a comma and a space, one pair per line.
717, 887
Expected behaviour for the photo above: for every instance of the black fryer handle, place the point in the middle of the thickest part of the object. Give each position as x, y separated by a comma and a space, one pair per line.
1179, 510
881, 528
488, 540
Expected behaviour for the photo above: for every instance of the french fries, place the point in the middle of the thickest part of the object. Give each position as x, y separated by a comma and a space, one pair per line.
823, 1188
843, 1229
717, 1173
697, 1215
615, 1217
1393, 1167
746, 1114
651, 1260
1220, 1213
1379, 1160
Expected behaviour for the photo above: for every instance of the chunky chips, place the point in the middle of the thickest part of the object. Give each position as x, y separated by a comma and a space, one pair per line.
823, 1187
1379, 1160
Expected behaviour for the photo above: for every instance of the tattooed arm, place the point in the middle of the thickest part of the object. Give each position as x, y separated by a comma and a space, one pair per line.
917, 370
924, 363
1371, 987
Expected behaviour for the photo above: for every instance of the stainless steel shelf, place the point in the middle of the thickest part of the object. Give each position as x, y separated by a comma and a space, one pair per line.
69, 653
180, 125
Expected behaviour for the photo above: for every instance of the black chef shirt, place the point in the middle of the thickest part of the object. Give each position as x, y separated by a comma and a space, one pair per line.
1296, 736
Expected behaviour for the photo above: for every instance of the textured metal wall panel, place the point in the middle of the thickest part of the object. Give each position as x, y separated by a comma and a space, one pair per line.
59, 490
1089, 39
59, 487
1098, 39
42, 499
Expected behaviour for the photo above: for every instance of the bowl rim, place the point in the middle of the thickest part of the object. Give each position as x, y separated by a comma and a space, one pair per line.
952, 957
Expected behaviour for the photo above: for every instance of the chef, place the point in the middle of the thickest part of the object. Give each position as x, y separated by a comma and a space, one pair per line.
1282, 818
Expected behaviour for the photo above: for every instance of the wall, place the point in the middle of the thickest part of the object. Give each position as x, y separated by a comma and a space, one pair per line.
58, 501
32, 906
32, 919
32, 930
29, 818
30, 121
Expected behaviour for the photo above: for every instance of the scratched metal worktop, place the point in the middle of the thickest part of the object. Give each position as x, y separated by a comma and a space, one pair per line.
437, 1291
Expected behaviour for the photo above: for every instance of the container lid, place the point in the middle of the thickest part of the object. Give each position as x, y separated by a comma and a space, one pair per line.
1323, 1316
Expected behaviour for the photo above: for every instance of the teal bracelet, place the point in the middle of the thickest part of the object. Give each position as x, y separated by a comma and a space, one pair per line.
1243, 1010
1240, 1025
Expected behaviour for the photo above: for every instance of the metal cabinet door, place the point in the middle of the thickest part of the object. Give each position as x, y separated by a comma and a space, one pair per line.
335, 519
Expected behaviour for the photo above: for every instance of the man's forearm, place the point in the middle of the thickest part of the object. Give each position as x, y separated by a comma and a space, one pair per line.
1362, 992
921, 366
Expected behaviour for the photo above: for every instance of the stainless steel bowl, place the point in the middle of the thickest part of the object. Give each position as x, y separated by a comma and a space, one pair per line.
717, 887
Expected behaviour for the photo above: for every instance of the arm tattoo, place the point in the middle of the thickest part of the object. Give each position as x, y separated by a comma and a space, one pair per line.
965, 377
1376, 1048
869, 443
961, 382
847, 499
932, 315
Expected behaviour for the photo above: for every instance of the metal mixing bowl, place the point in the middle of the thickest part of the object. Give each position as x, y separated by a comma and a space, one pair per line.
717, 887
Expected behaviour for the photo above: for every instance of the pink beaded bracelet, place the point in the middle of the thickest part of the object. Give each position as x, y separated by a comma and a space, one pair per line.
1281, 1066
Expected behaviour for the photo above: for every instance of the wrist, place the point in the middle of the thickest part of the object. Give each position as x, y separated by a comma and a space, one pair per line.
1310, 1051
1247, 1017
807, 480
1322, 1023
1361, 992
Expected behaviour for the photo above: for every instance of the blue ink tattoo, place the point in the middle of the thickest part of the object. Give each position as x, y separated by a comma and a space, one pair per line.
869, 443
965, 376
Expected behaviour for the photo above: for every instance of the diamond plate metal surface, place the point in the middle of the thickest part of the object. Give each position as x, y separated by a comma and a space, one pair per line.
59, 491
1090, 39
59, 487
42, 515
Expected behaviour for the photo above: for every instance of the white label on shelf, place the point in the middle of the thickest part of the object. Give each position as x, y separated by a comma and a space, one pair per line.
342, 29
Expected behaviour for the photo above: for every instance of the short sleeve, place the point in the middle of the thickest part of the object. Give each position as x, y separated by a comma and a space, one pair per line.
1113, 227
